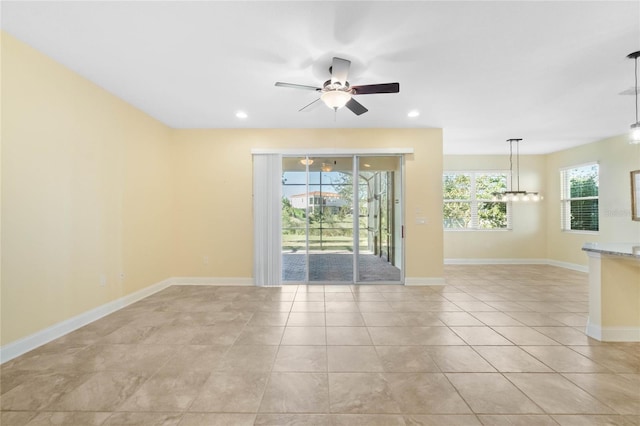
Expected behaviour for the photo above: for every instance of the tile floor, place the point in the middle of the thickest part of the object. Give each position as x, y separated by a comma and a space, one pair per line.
499, 345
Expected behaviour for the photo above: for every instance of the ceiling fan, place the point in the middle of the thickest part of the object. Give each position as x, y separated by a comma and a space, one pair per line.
337, 92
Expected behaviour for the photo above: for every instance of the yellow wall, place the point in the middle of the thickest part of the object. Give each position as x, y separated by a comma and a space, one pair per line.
527, 239
213, 193
85, 184
620, 292
617, 159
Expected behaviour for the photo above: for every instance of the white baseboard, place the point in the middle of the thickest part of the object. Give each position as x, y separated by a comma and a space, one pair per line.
613, 334
482, 261
212, 281
424, 281
519, 261
26, 344
567, 265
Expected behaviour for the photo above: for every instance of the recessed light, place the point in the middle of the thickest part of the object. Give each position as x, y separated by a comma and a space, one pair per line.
241, 114
413, 114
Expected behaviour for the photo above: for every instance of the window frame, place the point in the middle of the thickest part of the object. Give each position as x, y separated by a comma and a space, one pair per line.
474, 200
566, 199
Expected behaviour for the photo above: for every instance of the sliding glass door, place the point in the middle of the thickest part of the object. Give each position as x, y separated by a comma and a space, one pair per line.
341, 219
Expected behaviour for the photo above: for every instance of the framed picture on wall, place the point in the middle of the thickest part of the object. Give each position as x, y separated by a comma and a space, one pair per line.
635, 195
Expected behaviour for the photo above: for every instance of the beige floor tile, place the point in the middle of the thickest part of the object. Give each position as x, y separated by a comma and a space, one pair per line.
615, 358
367, 420
348, 336
166, 392
220, 335
248, 358
567, 335
405, 336
301, 359
218, 419
308, 307
296, 393
16, 418
496, 319
557, 395
459, 319
384, 319
260, 336
425, 393
360, 393
511, 359
337, 288
102, 391
622, 393
517, 420
303, 336
525, 336
293, 420
442, 420
565, 360
195, 358
231, 392
491, 393
570, 319
39, 391
353, 359
480, 336
309, 297
299, 319
143, 359
459, 359
535, 319
339, 297
474, 306
600, 420
143, 419
342, 307
371, 296
374, 306
65, 418
421, 319
268, 319
405, 359
344, 319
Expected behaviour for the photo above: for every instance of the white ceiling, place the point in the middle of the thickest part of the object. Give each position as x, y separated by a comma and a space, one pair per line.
546, 71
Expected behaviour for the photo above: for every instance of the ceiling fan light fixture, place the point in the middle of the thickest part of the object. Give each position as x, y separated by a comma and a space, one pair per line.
335, 99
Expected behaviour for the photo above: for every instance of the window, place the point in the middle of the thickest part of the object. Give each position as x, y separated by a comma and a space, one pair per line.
468, 201
579, 198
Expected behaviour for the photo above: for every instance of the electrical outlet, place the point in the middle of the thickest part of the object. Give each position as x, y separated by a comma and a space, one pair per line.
103, 280
205, 260
121, 276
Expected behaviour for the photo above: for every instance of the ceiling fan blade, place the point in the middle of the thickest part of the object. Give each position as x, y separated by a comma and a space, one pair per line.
297, 86
340, 70
356, 107
308, 105
376, 88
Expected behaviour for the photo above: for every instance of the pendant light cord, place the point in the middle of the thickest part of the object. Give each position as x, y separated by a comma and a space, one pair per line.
636, 74
511, 162
518, 162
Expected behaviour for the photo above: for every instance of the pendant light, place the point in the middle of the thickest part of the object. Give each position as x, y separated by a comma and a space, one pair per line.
634, 133
517, 194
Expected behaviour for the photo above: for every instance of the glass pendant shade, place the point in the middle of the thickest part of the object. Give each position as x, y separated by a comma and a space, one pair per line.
335, 99
634, 133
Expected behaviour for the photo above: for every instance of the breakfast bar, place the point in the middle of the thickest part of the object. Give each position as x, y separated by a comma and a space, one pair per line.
614, 291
